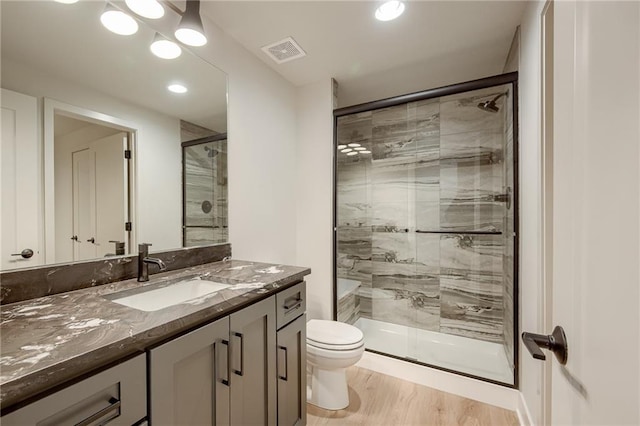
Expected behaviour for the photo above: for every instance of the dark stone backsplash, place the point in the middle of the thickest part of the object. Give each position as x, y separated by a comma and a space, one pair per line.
24, 284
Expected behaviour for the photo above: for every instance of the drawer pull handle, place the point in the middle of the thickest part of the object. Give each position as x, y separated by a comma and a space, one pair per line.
241, 371
224, 381
114, 405
286, 364
294, 304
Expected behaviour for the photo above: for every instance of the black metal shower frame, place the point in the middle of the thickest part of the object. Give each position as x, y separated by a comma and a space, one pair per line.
497, 80
200, 141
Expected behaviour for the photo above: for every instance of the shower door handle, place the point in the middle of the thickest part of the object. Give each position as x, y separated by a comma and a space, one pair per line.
556, 342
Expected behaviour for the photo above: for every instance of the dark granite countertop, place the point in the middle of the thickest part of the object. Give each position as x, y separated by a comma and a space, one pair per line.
53, 339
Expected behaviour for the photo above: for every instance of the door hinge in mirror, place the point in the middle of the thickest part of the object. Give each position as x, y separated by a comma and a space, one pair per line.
127, 154
128, 226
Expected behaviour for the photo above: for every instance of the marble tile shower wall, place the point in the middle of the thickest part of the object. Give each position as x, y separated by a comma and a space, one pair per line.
206, 194
509, 237
435, 171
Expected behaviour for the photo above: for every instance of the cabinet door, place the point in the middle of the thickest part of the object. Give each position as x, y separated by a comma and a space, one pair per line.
292, 373
253, 364
116, 396
189, 382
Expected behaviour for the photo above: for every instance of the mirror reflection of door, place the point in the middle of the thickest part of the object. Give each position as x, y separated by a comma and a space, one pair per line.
91, 199
20, 215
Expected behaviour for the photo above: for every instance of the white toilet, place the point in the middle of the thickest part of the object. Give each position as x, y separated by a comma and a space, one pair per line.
332, 346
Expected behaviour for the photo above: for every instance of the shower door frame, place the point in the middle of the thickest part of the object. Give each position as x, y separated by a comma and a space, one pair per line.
183, 145
483, 83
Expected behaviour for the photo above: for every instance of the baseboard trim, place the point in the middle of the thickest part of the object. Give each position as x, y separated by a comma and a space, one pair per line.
524, 416
478, 390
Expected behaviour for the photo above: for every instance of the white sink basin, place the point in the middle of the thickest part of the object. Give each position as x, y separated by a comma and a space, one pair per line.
159, 298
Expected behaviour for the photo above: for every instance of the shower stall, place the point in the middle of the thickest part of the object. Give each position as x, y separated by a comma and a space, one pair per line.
425, 226
205, 199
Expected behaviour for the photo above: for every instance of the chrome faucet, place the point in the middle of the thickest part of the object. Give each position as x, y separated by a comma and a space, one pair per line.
144, 260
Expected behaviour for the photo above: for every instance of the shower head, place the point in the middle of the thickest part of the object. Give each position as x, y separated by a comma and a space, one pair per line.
490, 106
211, 152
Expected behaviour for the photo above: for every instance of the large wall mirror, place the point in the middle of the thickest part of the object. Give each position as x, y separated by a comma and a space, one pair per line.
97, 154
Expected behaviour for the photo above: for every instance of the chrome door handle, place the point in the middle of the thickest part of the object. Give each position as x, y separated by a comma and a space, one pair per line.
26, 253
556, 342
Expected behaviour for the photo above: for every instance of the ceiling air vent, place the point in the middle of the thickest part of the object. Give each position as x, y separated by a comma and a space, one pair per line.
284, 50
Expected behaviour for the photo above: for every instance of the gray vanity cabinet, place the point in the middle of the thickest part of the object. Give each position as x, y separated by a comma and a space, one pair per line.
253, 364
223, 373
189, 378
292, 373
291, 305
116, 396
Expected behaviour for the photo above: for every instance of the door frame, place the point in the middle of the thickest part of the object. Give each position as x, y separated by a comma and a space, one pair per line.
51, 107
546, 195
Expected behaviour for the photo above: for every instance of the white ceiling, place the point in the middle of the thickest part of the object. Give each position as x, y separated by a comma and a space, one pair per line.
68, 41
343, 40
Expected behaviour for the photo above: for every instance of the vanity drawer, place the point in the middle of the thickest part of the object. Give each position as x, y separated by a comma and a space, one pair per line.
117, 396
290, 304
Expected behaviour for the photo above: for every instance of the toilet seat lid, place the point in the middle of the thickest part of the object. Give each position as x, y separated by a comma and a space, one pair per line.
333, 335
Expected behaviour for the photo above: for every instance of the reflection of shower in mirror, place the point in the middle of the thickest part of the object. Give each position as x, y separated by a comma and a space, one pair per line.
211, 152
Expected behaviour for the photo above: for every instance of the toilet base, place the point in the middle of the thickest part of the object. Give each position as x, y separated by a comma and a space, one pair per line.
329, 389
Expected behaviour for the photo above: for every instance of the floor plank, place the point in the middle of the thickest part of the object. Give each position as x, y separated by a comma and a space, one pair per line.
378, 399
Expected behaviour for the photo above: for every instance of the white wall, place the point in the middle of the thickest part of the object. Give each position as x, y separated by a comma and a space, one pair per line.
530, 285
159, 168
315, 193
414, 78
262, 153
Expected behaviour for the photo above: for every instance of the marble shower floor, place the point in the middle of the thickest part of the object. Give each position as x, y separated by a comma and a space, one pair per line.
470, 356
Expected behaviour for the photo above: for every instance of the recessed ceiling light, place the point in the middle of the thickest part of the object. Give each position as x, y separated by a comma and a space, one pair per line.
146, 8
342, 146
346, 150
177, 88
118, 22
365, 152
360, 148
352, 153
66, 1
165, 49
353, 145
389, 10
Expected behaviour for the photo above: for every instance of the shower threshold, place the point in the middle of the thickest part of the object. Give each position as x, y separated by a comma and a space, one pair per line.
469, 356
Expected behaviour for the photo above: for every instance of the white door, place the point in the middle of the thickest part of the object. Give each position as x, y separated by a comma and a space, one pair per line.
112, 192
84, 204
100, 196
595, 242
20, 160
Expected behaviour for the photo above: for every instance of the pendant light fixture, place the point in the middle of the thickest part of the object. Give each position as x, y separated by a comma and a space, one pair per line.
117, 21
150, 9
190, 30
165, 49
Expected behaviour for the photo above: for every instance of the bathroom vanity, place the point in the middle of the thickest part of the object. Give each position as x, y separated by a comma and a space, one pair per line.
236, 355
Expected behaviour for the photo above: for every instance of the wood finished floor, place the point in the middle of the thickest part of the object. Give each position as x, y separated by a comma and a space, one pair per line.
378, 399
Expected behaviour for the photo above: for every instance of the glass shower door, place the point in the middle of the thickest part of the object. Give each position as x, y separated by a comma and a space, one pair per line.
205, 192
425, 230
